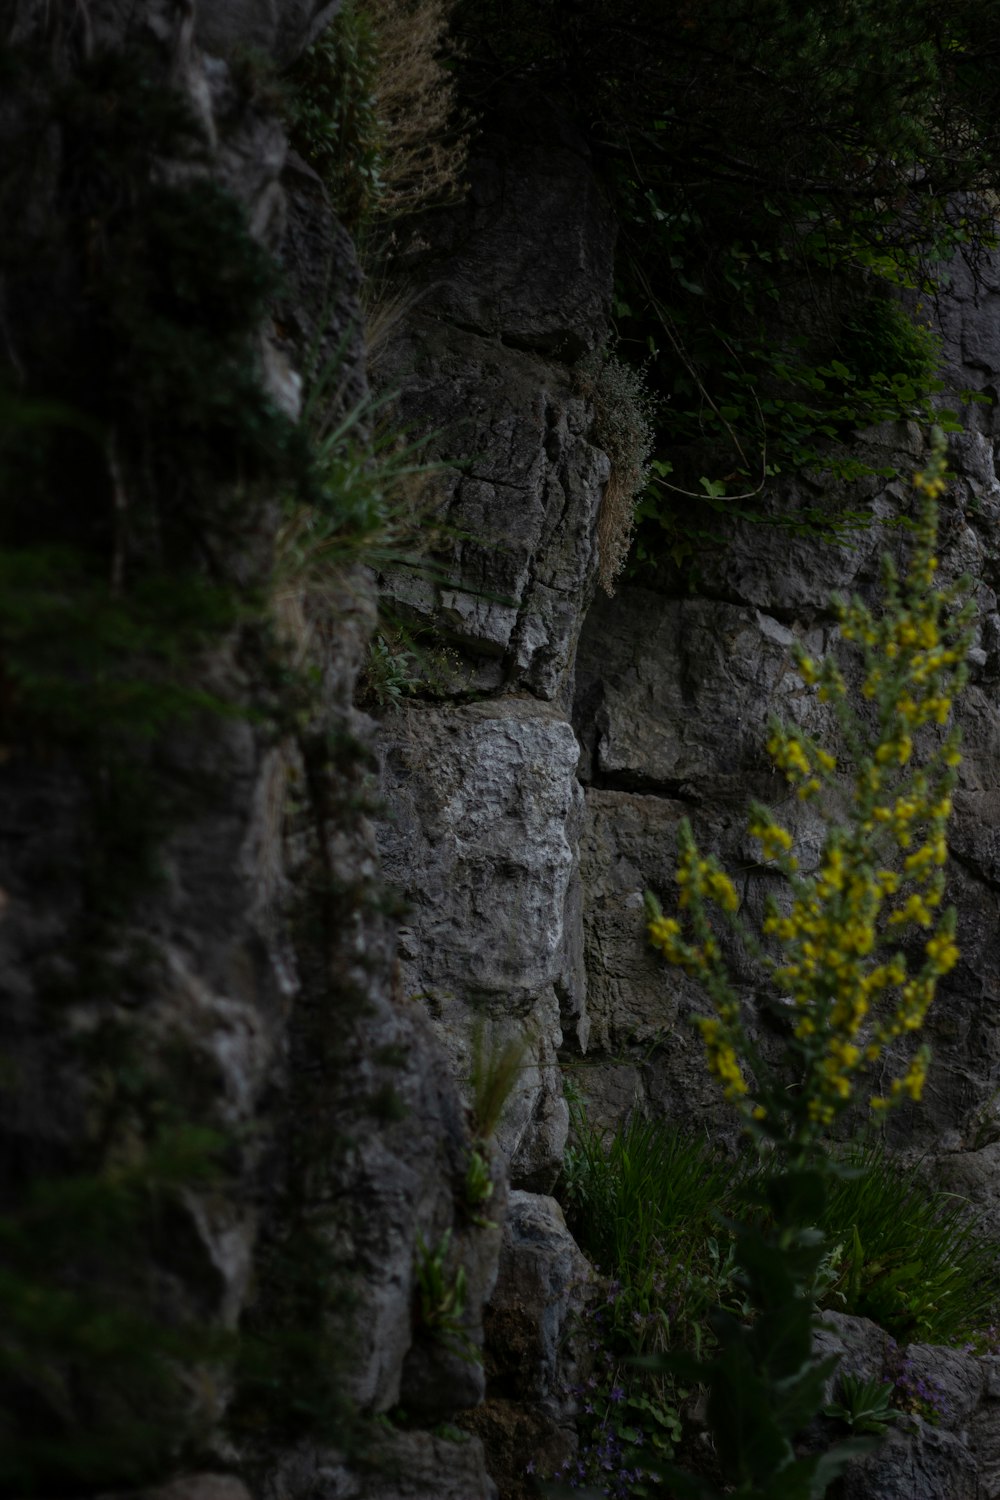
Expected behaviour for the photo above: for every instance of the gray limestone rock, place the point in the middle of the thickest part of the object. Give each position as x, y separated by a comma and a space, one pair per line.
534, 1343
513, 509
507, 288
974, 1177
676, 694
673, 704
957, 1457
526, 258
398, 1465
543, 1283
925, 1463
428, 1466
484, 813
200, 1487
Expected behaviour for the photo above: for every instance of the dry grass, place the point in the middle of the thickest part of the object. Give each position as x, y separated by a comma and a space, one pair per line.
615, 525
424, 143
624, 428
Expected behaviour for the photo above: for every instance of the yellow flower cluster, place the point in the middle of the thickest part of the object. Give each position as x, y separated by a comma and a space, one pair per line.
704, 880
910, 1086
774, 840
880, 871
805, 764
721, 1059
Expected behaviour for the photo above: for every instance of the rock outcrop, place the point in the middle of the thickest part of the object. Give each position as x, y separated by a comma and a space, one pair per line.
256, 1001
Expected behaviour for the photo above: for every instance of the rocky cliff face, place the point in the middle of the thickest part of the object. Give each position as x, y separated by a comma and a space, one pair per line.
526, 795
525, 824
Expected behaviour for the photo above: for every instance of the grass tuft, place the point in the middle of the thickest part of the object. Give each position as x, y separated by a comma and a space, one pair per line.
910, 1256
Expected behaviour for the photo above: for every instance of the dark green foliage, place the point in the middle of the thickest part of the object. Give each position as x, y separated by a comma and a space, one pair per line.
333, 120
780, 175
642, 1204
143, 464
153, 343
910, 1258
764, 1384
863, 1405
682, 1231
290, 1367
93, 1389
138, 447
79, 655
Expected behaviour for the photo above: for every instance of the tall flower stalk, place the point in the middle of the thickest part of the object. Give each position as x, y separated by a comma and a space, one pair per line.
854, 950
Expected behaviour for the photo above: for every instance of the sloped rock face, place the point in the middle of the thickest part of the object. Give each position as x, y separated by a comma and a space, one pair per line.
672, 697
486, 809
534, 1345
508, 290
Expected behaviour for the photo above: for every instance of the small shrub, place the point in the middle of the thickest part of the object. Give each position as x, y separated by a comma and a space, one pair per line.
425, 147
643, 1203
366, 506
623, 427
440, 1298
333, 114
388, 674
478, 1188
863, 1405
916, 1395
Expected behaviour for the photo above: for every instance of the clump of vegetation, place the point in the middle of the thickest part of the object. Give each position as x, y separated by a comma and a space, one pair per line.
624, 428
440, 1298
863, 1405
494, 1068
333, 113
644, 1204
778, 219
389, 674
655, 1209
372, 108
906, 1255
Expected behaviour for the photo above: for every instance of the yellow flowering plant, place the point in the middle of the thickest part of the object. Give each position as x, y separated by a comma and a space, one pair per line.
853, 952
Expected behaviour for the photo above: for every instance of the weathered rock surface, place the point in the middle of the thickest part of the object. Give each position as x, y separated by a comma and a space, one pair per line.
251, 992
257, 987
485, 808
400, 1465
275, 28
674, 699
974, 1177
533, 1344
482, 362
945, 1444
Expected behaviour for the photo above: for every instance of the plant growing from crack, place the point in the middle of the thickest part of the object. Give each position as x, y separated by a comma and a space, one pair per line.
834, 952
440, 1298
